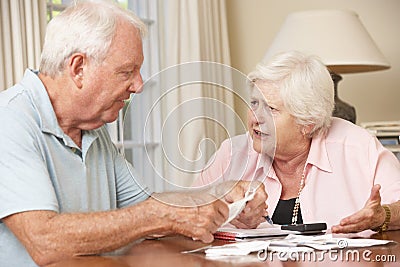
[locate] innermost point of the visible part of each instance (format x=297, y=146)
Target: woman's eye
x=253, y=104
x=272, y=109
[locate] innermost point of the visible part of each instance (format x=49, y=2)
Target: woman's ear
x=306, y=130
x=76, y=66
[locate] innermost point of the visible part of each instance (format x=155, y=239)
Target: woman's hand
x=371, y=216
x=255, y=210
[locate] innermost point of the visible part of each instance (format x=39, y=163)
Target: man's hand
x=372, y=215
x=255, y=210
x=194, y=215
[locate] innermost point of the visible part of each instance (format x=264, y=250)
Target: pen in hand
x=269, y=220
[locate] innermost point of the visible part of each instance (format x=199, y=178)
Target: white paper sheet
x=292, y=243
x=237, y=207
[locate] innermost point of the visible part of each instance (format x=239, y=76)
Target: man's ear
x=76, y=66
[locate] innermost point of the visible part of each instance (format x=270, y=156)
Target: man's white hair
x=86, y=27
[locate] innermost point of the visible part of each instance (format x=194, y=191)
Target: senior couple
x=65, y=190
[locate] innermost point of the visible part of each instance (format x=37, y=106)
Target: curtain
x=193, y=30
x=197, y=103
x=23, y=24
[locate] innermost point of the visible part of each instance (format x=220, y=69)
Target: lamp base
x=342, y=109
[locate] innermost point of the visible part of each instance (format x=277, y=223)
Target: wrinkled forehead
x=262, y=89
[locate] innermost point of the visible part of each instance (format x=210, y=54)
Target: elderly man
x=64, y=188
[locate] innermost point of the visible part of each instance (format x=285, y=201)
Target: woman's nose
x=259, y=115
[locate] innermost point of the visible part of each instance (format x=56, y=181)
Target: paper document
x=264, y=230
x=327, y=242
x=237, y=249
x=237, y=207
x=292, y=243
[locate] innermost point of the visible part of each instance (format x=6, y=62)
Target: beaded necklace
x=297, y=201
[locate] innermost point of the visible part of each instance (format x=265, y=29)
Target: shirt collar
x=264, y=162
x=41, y=101
x=318, y=155
x=48, y=119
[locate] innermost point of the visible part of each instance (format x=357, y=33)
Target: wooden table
x=166, y=252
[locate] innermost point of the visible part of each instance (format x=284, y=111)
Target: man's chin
x=111, y=120
x=111, y=117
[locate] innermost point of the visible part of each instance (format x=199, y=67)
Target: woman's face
x=267, y=109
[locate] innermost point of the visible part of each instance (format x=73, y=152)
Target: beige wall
x=375, y=95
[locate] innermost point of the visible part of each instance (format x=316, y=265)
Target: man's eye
x=126, y=74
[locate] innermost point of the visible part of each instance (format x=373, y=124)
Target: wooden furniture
x=167, y=252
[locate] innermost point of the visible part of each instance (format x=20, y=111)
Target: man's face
x=112, y=81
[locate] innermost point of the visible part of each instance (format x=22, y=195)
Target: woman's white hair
x=86, y=27
x=305, y=86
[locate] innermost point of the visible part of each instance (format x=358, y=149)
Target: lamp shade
x=336, y=36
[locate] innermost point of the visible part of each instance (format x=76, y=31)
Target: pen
x=269, y=220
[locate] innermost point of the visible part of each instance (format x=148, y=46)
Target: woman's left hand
x=372, y=215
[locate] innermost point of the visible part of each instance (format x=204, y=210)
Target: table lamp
x=338, y=38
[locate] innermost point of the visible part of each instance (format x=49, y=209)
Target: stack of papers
x=237, y=249
x=327, y=242
x=292, y=243
x=383, y=128
x=261, y=232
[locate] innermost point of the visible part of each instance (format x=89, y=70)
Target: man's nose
x=137, y=85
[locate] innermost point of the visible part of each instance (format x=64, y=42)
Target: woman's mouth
x=259, y=133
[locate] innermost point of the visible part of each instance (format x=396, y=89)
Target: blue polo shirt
x=41, y=168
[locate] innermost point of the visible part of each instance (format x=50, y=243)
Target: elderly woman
x=315, y=168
